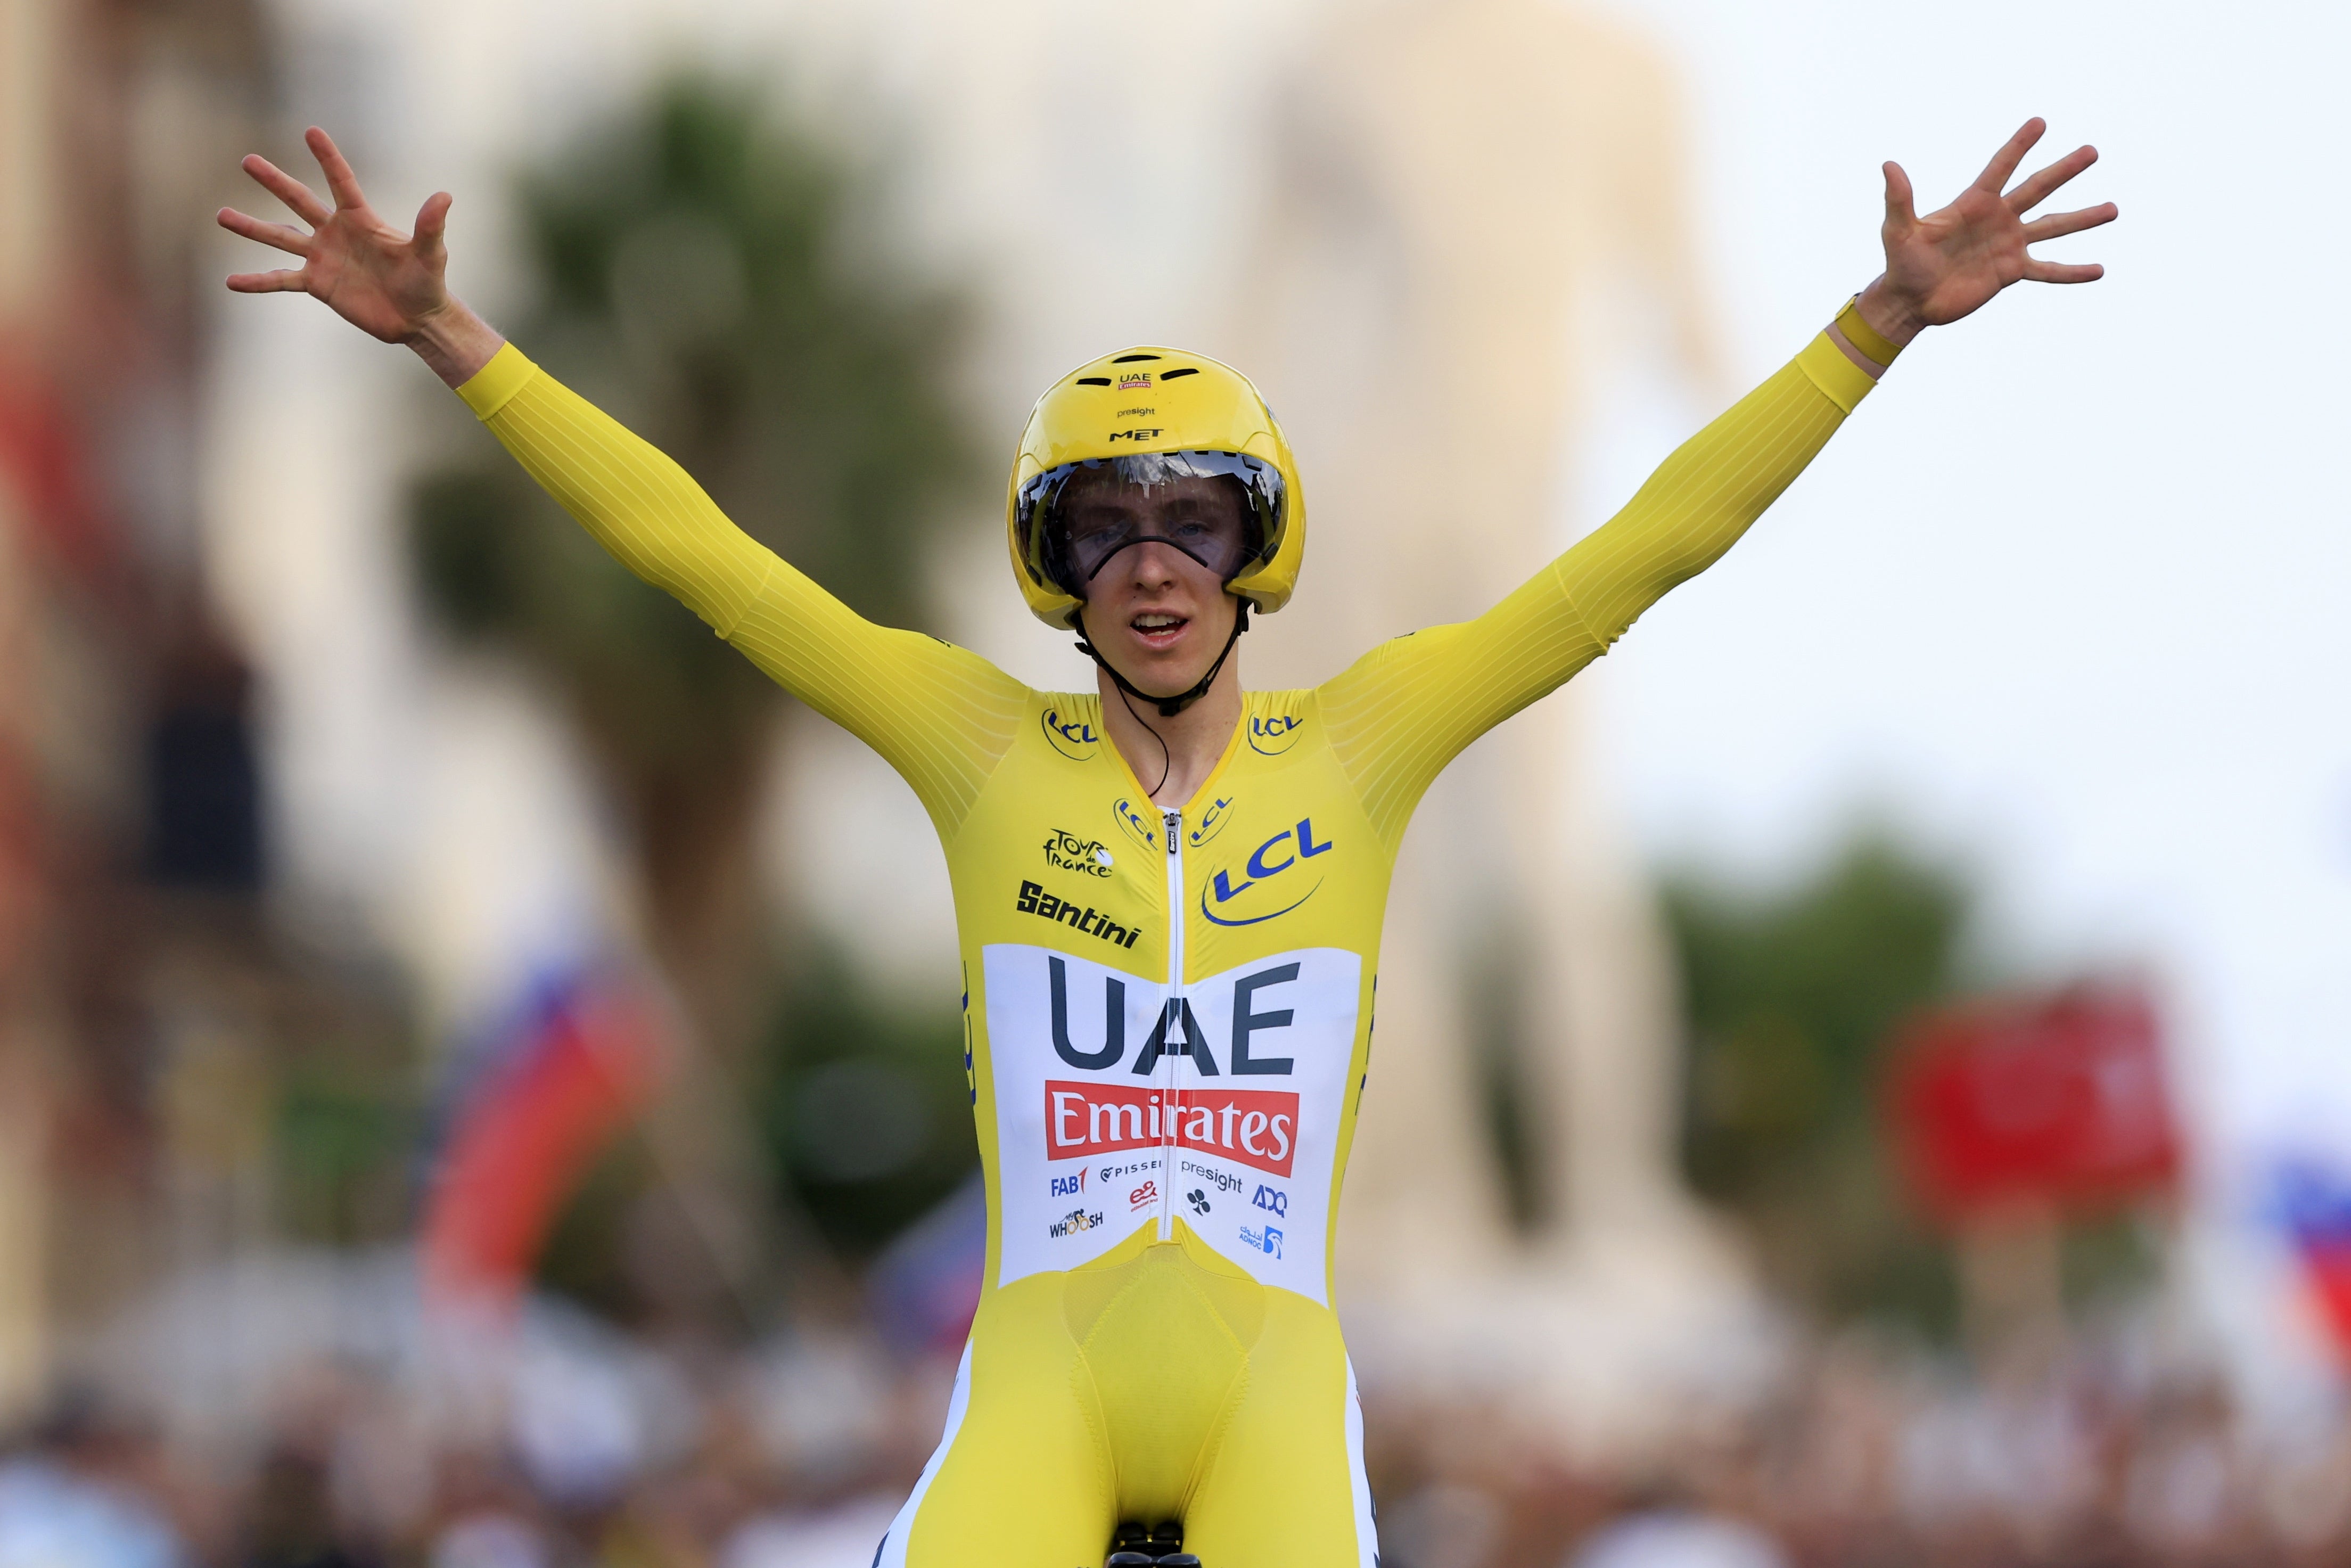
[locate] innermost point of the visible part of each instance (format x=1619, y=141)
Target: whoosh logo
x=1254, y=1127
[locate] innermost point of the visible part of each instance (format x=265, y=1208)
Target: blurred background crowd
x=1863, y=1073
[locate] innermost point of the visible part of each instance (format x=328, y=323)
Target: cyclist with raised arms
x=1169, y=889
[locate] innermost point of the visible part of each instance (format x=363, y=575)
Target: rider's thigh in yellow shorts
x=1157, y=1383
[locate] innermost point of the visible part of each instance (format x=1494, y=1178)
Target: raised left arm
x=1406, y=708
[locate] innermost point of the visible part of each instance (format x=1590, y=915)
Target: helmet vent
x=1131, y=359
x=1093, y=380
x=1170, y=375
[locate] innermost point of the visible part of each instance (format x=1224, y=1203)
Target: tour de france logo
x=1067, y=851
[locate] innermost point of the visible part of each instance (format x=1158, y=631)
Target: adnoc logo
x=1265, y=869
x=1073, y=739
x=1271, y=733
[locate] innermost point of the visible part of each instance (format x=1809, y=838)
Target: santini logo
x=1035, y=900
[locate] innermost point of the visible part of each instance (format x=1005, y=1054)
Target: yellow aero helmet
x=1201, y=414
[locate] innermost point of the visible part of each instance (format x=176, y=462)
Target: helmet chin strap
x=1168, y=707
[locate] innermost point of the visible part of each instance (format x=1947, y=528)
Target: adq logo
x=1220, y=901
x=1073, y=737
x=1271, y=733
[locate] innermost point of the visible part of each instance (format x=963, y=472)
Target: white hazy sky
x=2067, y=594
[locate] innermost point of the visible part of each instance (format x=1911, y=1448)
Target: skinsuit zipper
x=1171, y=1014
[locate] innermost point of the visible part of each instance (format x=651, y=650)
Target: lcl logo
x=1290, y=848
x=1073, y=739
x=1271, y=733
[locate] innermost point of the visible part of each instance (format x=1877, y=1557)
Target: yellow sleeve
x=941, y=717
x=1398, y=715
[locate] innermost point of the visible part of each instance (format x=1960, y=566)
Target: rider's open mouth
x=1158, y=627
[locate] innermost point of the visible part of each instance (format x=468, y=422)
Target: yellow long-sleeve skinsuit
x=1167, y=1012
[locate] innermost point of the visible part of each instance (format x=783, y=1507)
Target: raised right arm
x=941, y=716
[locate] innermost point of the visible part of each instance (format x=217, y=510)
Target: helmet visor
x=1217, y=508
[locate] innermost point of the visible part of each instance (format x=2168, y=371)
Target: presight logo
x=1287, y=849
x=1141, y=826
x=1073, y=737
x=1223, y=1181
x=1064, y=851
x=1271, y=733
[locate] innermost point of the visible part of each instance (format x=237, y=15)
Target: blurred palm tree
x=1791, y=996
x=710, y=278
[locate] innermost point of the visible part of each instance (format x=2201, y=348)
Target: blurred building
x=147, y=1017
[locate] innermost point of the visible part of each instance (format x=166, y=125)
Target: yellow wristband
x=1863, y=336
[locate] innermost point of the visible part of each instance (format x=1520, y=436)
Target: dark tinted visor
x=1125, y=501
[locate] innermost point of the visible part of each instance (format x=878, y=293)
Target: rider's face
x=1157, y=614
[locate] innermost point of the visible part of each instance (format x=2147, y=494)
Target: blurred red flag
x=584, y=1060
x=2053, y=1101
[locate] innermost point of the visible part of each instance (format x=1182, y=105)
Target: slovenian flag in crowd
x=2314, y=1202
x=531, y=1106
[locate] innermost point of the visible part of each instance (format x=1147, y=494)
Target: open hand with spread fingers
x=388, y=284
x=1950, y=263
